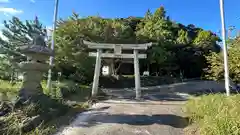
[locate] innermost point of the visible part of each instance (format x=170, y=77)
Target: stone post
x=137, y=75
x=96, y=73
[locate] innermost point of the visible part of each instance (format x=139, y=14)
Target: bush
x=40, y=110
x=6, y=86
x=215, y=114
x=215, y=70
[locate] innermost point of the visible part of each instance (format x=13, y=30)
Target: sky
x=201, y=13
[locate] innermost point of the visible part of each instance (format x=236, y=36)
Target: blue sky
x=202, y=13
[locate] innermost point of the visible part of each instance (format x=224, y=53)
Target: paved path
x=160, y=116
x=122, y=117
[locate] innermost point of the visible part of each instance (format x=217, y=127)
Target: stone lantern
x=37, y=54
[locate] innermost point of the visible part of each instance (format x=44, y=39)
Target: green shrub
x=66, y=88
x=50, y=110
x=6, y=86
x=215, y=114
x=59, y=89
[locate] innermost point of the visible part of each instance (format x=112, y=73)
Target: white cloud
x=4, y=1
x=10, y=11
x=33, y=1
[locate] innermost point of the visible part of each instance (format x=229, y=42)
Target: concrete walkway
x=123, y=117
x=159, y=114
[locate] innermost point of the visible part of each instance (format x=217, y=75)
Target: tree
x=155, y=27
x=183, y=37
x=206, y=41
x=72, y=53
x=18, y=33
x=176, y=46
x=5, y=68
x=162, y=59
x=215, y=70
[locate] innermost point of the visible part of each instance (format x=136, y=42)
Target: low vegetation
x=49, y=112
x=215, y=114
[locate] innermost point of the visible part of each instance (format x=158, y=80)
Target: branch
x=119, y=66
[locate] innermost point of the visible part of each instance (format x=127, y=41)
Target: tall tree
x=206, y=41
x=183, y=37
x=176, y=46
x=215, y=68
x=18, y=33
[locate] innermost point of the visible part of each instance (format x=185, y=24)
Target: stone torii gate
x=117, y=54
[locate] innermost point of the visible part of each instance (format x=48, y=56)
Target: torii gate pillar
x=97, y=73
x=137, y=75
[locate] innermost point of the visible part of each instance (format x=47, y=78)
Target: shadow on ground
x=99, y=109
x=137, y=120
x=171, y=92
x=158, y=96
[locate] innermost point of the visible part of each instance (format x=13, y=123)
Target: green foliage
x=5, y=68
x=48, y=108
x=7, y=87
x=155, y=27
x=175, y=45
x=17, y=33
x=215, y=69
x=205, y=40
x=183, y=37
x=215, y=114
x=72, y=56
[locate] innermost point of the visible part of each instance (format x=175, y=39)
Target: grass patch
x=57, y=111
x=215, y=114
x=12, y=123
x=55, y=124
x=6, y=86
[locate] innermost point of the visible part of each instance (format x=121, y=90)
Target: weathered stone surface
x=38, y=47
x=32, y=49
x=34, y=68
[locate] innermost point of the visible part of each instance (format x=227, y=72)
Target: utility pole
x=49, y=82
x=226, y=73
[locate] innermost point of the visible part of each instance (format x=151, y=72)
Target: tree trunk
x=111, y=68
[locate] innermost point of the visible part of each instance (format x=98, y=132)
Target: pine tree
x=17, y=34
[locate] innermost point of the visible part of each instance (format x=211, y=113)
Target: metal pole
x=49, y=84
x=226, y=73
